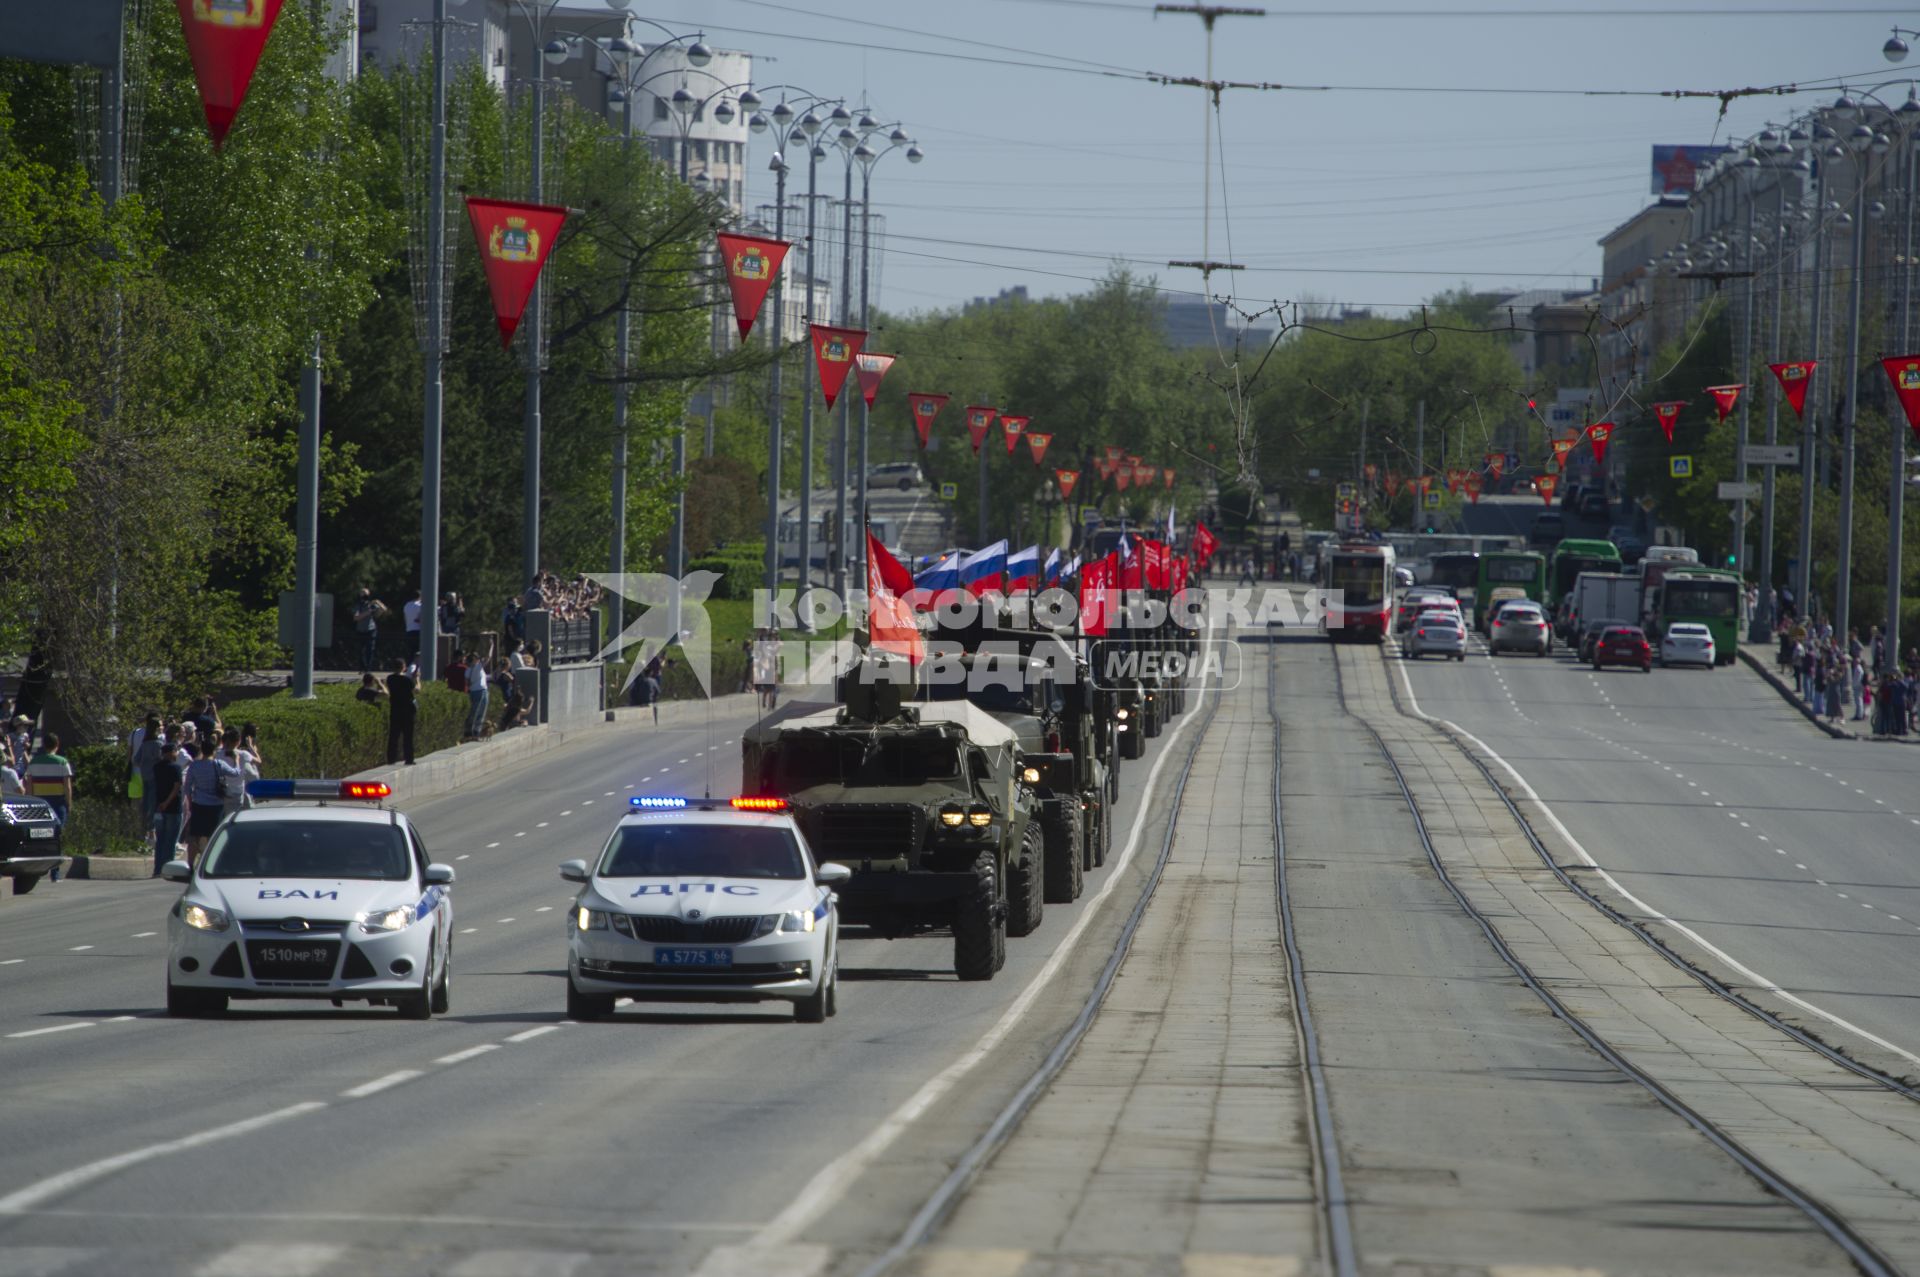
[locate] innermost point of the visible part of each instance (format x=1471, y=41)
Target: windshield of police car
x=702, y=851
x=329, y=849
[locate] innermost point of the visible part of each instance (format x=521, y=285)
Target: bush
x=740, y=576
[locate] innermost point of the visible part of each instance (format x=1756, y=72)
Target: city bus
x=1458, y=571
x=1707, y=596
x=1507, y=569
x=1574, y=556
x=1364, y=576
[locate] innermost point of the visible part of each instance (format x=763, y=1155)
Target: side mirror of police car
x=439, y=874
x=573, y=870
x=829, y=874
x=177, y=871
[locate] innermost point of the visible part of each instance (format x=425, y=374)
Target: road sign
x=1740, y=514
x=1433, y=498
x=1344, y=491
x=1769, y=454
x=949, y=491
x=1648, y=503
x=1680, y=467
x=1738, y=491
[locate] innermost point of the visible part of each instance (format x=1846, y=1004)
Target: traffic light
x=1732, y=559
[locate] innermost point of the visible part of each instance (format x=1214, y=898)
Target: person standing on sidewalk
x=400, y=714
x=366, y=623
x=476, y=696
x=1857, y=681
x=410, y=617
x=211, y=784
x=167, y=782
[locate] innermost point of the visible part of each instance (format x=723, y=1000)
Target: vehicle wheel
x=587, y=1006
x=417, y=1006
x=818, y=1005
x=443, y=992
x=980, y=924
x=1132, y=743
x=1061, y=842
x=1152, y=716
x=185, y=1003
x=1026, y=885
x=1089, y=837
x=906, y=485
x=1113, y=777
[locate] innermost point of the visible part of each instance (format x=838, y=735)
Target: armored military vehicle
x=923, y=802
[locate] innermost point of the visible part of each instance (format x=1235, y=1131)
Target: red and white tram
x=1360, y=578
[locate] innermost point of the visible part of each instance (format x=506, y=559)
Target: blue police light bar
x=356, y=790
x=650, y=802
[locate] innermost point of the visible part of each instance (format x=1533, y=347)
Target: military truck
x=1032, y=682
x=923, y=802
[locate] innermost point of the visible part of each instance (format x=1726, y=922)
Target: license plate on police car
x=693, y=957
x=40, y=833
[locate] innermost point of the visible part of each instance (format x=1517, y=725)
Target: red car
x=1623, y=645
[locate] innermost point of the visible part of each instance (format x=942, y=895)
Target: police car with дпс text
x=704, y=900
x=333, y=899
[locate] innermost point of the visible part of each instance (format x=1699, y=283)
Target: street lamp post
x=1816, y=134
x=867, y=157
x=1763, y=613
x=809, y=126
x=1897, y=485
x=432, y=373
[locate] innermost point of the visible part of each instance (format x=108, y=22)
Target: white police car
x=333, y=899
x=704, y=900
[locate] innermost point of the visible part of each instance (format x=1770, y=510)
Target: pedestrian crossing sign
x=1433, y=499
x=1680, y=467
x=949, y=491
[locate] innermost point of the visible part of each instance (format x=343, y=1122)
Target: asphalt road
x=300, y=1139
x=1717, y=805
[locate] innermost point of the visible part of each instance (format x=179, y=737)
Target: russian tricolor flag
x=1023, y=569
x=944, y=575
x=984, y=570
x=1051, y=573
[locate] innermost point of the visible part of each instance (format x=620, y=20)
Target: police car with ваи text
x=331, y=899
x=704, y=900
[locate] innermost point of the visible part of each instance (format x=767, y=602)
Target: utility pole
x=1746, y=379
x=1208, y=15
x=536, y=340
x=1809, y=418
x=775, y=406
x=1763, y=617
x=1897, y=495
x=841, y=478
x=1843, y=584
x=1420, y=455
x=436, y=343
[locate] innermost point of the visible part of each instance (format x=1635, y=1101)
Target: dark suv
x=29, y=841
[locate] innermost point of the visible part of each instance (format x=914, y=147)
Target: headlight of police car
x=952, y=816
x=201, y=918
x=792, y=920
x=979, y=817
x=590, y=920
x=1030, y=774
x=1121, y=713
x=386, y=919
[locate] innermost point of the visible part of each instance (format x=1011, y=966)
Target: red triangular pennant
x=1545, y=485
x=925, y=408
x=870, y=368
x=1013, y=427
x=514, y=239
x=1495, y=460
x=1597, y=434
x=224, y=39
x=1668, y=413
x=1037, y=442
x=1904, y=372
x=1472, y=485
x=1724, y=397
x=1167, y=474
x=752, y=265
x=1065, y=479
x=979, y=421
x=1794, y=380
x=833, y=352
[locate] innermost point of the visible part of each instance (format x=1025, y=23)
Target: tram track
x=1863, y=1253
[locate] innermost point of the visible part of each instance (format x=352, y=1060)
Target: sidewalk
x=1761, y=665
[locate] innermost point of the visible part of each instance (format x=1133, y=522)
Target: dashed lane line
x=379, y=1084
x=471, y=1052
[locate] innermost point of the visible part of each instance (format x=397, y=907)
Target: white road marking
x=11, y=962
x=588, y=802
x=542, y=825
x=284, y=1259
x=543, y=909
x=80, y=948
x=41, y=1191
x=505, y=921
x=492, y=845
x=467, y=931
x=520, y=1263
x=468, y=1054
x=142, y=935
x=836, y=1176
x=1744, y=970
x=530, y=1034
x=379, y=1084
x=569, y=811
x=56, y=1028
x=462, y=856
x=521, y=834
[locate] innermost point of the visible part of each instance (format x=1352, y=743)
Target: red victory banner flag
x=1546, y=483
x=1495, y=461
x=514, y=241
x=1167, y=475
x=1038, y=441
x=925, y=408
x=1122, y=475
x=1904, y=372
x=1472, y=486
x=224, y=40
x=1013, y=428
x=1096, y=594
x=833, y=353
x=1454, y=478
x=1561, y=447
x=1371, y=470
x=1597, y=434
x=1724, y=397
x=1668, y=413
x=1204, y=543
x=890, y=626
x=1113, y=451
x=1144, y=475
x=1065, y=479
x=979, y=421
x=1393, y=484
x=1100, y=466
x=870, y=368
x=1794, y=380
x=752, y=264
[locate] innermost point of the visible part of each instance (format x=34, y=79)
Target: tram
x=1362, y=575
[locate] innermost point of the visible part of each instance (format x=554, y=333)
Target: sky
x=1049, y=156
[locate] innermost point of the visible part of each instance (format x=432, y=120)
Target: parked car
x=1687, y=643
x=1623, y=645
x=904, y=475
